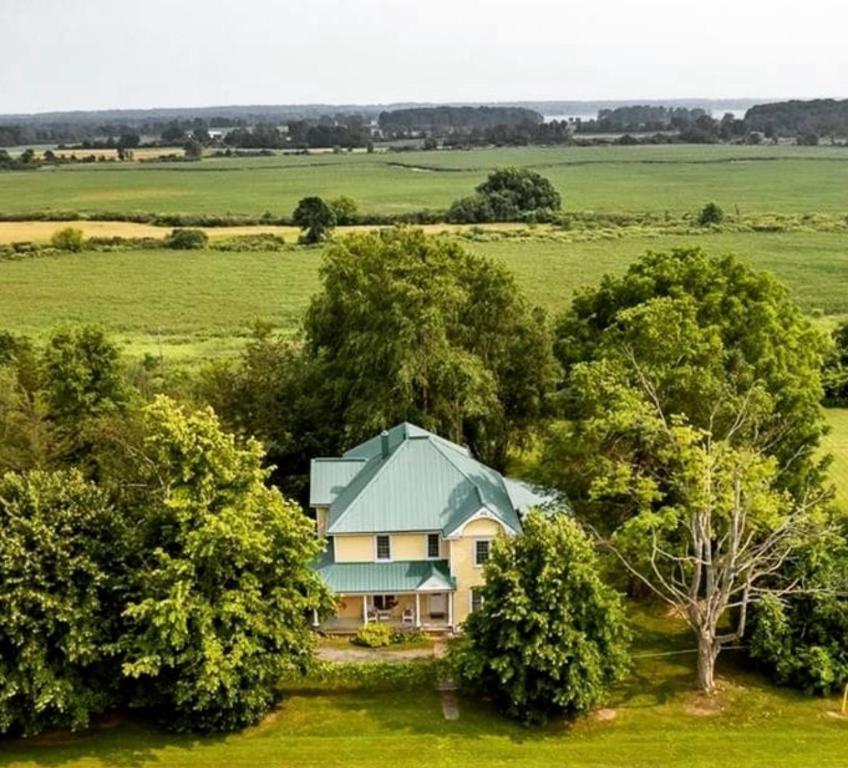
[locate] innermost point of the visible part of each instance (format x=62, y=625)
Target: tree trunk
x=707, y=653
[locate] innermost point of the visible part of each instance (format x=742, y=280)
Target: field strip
x=42, y=231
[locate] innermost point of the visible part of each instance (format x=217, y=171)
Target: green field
x=653, y=719
x=675, y=179
x=197, y=303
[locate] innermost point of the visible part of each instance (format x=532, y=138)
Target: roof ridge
x=461, y=470
x=367, y=485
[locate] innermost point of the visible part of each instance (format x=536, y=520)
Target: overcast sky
x=94, y=54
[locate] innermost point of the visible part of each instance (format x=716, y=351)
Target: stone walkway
x=373, y=654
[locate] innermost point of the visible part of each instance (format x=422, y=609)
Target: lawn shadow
x=114, y=739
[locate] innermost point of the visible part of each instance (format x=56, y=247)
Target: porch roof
x=385, y=578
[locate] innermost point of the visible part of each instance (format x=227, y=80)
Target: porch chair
x=408, y=617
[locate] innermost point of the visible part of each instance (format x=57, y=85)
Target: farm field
x=836, y=444
x=196, y=304
x=648, y=178
x=653, y=718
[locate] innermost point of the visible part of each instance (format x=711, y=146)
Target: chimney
x=384, y=443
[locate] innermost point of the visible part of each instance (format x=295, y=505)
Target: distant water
x=716, y=113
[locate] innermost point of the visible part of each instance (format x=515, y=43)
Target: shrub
x=711, y=213
x=344, y=208
x=374, y=635
x=550, y=636
x=68, y=239
x=187, y=239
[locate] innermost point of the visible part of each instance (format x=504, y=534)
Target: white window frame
x=377, y=557
x=438, y=545
x=478, y=541
x=471, y=592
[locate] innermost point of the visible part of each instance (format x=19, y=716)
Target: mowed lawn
x=652, y=178
x=654, y=719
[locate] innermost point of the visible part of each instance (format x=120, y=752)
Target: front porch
x=424, y=611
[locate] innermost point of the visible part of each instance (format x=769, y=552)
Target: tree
x=506, y=195
x=800, y=640
x=82, y=381
x=550, y=636
x=222, y=604
x=344, y=209
x=408, y=327
x=60, y=556
x=68, y=239
x=677, y=453
x=711, y=213
x=702, y=328
x=835, y=372
x=193, y=149
x=315, y=217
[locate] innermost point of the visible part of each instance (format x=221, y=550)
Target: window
x=481, y=551
x=384, y=547
x=384, y=602
x=432, y=545
x=476, y=599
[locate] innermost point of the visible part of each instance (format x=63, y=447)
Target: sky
x=94, y=54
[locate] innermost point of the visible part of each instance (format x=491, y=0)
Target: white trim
x=484, y=513
x=471, y=599
x=477, y=540
x=377, y=558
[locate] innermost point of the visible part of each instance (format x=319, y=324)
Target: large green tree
x=61, y=560
x=550, y=637
x=673, y=446
x=221, y=604
x=82, y=380
x=413, y=327
x=710, y=334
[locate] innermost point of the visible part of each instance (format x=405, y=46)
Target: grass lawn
x=653, y=719
x=675, y=179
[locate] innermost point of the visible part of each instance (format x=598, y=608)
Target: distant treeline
x=819, y=117
x=640, y=118
x=447, y=118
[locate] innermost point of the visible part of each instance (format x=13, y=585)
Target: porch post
x=314, y=617
x=450, y=609
x=417, y=610
x=365, y=609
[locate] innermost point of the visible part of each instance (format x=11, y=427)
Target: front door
x=438, y=606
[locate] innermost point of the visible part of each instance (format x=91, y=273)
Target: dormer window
x=384, y=547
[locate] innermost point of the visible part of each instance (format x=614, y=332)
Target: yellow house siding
x=362, y=548
x=354, y=549
x=462, y=566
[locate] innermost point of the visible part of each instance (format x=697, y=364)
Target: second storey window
x=384, y=547
x=432, y=545
x=481, y=551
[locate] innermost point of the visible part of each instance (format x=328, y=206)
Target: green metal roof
x=334, y=476
x=422, y=483
x=384, y=578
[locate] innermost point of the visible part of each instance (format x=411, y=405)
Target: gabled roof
x=385, y=578
x=421, y=482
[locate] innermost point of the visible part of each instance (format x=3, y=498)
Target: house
x=409, y=519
